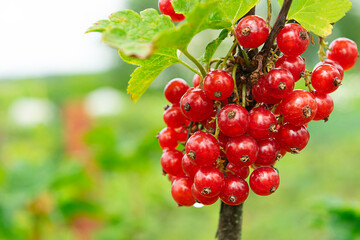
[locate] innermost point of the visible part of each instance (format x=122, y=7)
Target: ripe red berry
x=251, y=31
x=264, y=181
x=188, y=167
x=279, y=83
x=182, y=134
x=166, y=8
x=236, y=190
x=242, y=151
x=195, y=105
x=181, y=191
x=269, y=152
x=294, y=64
x=175, y=89
x=210, y=123
x=171, y=162
x=293, y=39
x=196, y=80
x=299, y=107
x=293, y=138
x=209, y=181
x=262, y=123
x=343, y=51
x=325, y=78
x=202, y=149
x=261, y=95
x=325, y=105
x=333, y=63
x=242, y=172
x=168, y=138
x=173, y=117
x=218, y=85
x=201, y=199
x=233, y=120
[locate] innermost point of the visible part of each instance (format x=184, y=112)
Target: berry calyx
x=209, y=181
x=201, y=199
x=175, y=89
x=242, y=151
x=251, y=31
x=293, y=138
x=325, y=78
x=233, y=120
x=181, y=191
x=343, y=51
x=293, y=39
x=218, y=85
x=166, y=8
x=236, y=190
x=195, y=105
x=264, y=181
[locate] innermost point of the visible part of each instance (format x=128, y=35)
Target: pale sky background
x=46, y=37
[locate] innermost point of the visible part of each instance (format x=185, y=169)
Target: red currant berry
x=293, y=40
x=343, y=51
x=181, y=191
x=262, y=123
x=236, y=190
x=233, y=120
x=279, y=83
x=218, y=85
x=201, y=199
x=166, y=8
x=325, y=78
x=264, y=181
x=294, y=64
x=182, y=134
x=173, y=116
x=168, y=138
x=251, y=31
x=171, y=162
x=210, y=123
x=202, y=149
x=261, y=96
x=188, y=167
x=195, y=105
x=293, y=138
x=333, y=63
x=242, y=151
x=209, y=181
x=269, y=152
x=242, y=172
x=175, y=89
x=196, y=81
x=325, y=105
x=299, y=107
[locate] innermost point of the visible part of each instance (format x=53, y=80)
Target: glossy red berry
x=196, y=80
x=175, y=89
x=251, y=32
x=325, y=105
x=293, y=138
x=264, y=181
x=236, y=190
x=299, y=107
x=182, y=134
x=168, y=138
x=242, y=172
x=195, y=105
x=262, y=123
x=188, y=167
x=202, y=149
x=294, y=64
x=325, y=78
x=293, y=39
x=343, y=51
x=242, y=151
x=171, y=162
x=233, y=120
x=209, y=181
x=261, y=95
x=279, y=83
x=218, y=85
x=173, y=117
x=201, y=199
x=269, y=152
x=210, y=123
x=181, y=191
x=333, y=63
x=166, y=8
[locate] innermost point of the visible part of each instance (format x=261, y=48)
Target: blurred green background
x=79, y=160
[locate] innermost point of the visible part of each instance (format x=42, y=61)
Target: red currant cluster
x=224, y=139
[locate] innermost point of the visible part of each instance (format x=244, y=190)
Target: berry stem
x=245, y=56
x=190, y=68
x=218, y=107
x=235, y=86
x=229, y=54
x=269, y=13
x=230, y=222
x=196, y=62
x=321, y=51
x=243, y=94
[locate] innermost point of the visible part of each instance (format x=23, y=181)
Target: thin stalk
x=190, y=68
x=269, y=13
x=229, y=53
x=196, y=62
x=235, y=86
x=243, y=94
x=246, y=58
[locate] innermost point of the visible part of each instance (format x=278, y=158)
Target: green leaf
x=317, y=15
x=149, y=69
x=132, y=33
x=213, y=46
x=235, y=9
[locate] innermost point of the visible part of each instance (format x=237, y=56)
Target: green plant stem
x=196, y=62
x=246, y=58
x=243, y=94
x=229, y=53
x=323, y=46
x=190, y=68
x=269, y=13
x=235, y=87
